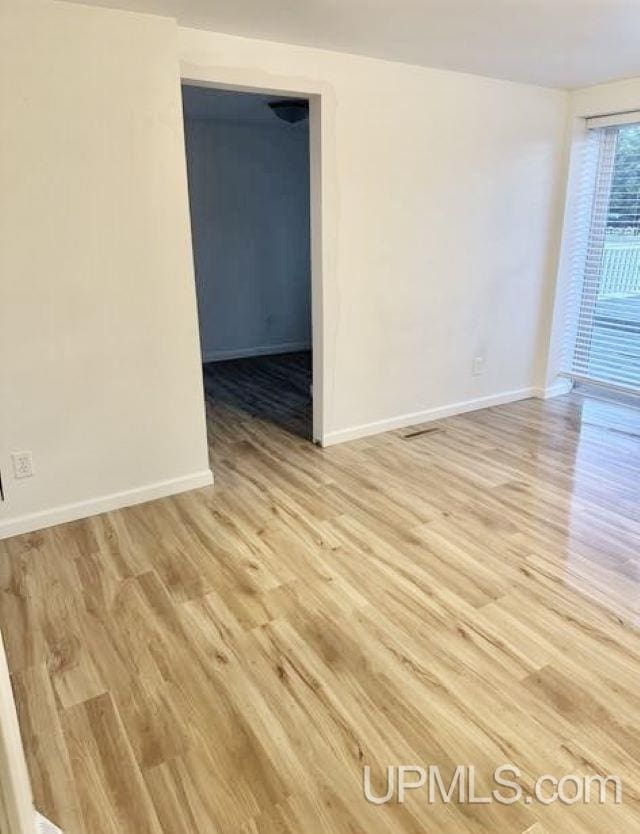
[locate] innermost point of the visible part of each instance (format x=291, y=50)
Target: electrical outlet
x=22, y=464
x=478, y=365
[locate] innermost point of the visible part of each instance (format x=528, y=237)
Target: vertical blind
x=603, y=327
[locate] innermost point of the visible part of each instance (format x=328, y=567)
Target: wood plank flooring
x=271, y=388
x=227, y=661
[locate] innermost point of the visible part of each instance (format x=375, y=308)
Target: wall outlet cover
x=478, y=365
x=22, y=464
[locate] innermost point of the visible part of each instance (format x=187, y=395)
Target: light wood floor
x=228, y=660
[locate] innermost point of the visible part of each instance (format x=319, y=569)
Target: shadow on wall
x=249, y=195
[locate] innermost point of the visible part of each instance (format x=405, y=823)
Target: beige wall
x=616, y=97
x=99, y=374
x=440, y=202
x=441, y=211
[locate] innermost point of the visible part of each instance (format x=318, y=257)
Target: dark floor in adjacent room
x=274, y=389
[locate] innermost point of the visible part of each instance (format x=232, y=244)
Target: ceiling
x=557, y=43
x=228, y=106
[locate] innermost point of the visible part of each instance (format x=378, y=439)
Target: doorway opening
x=250, y=182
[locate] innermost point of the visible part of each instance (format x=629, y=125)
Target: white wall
x=440, y=208
x=600, y=100
x=249, y=197
x=439, y=198
x=100, y=372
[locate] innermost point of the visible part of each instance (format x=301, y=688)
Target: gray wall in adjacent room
x=249, y=196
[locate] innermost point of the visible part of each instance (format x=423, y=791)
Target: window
x=603, y=332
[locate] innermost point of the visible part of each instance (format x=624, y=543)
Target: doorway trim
x=315, y=222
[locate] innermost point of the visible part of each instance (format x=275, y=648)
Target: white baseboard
x=404, y=420
x=557, y=389
x=261, y=350
x=105, y=503
x=45, y=826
